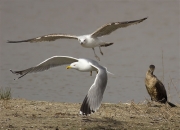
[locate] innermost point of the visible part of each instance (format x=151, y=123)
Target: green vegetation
x=5, y=96
x=5, y=93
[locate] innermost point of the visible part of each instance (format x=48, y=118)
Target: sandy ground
x=21, y=114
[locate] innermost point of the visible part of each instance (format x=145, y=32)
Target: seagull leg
x=96, y=55
x=100, y=50
x=90, y=73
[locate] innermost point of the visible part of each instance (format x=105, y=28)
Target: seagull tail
x=107, y=44
x=108, y=71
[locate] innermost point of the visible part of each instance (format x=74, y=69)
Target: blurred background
x=154, y=41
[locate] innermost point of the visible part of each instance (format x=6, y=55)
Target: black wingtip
x=16, y=72
x=12, y=71
x=11, y=41
x=110, y=44
x=143, y=19
x=14, y=41
x=85, y=108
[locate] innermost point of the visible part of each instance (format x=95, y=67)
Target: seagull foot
x=97, y=58
x=101, y=53
x=90, y=73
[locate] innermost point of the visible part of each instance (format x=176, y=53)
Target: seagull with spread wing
x=94, y=97
x=87, y=41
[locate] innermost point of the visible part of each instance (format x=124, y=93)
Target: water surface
x=134, y=49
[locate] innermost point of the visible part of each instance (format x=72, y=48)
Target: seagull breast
x=90, y=42
x=85, y=66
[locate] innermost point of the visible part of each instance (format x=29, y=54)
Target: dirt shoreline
x=21, y=114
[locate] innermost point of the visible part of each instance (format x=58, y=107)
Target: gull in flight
x=94, y=97
x=87, y=41
x=155, y=87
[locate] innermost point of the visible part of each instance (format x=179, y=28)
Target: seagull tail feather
x=107, y=44
x=108, y=71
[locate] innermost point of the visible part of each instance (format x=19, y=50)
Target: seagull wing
x=109, y=28
x=47, y=64
x=50, y=37
x=94, y=97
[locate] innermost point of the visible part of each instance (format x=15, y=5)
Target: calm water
x=135, y=48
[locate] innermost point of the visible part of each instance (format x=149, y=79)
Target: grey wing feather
x=109, y=28
x=50, y=37
x=47, y=64
x=94, y=97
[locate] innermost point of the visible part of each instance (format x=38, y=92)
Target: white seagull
x=94, y=97
x=87, y=41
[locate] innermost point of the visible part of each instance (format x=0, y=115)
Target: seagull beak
x=68, y=67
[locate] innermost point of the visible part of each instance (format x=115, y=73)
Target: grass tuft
x=5, y=96
x=5, y=93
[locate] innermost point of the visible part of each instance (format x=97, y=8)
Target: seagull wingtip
x=145, y=18
x=11, y=71
x=84, y=114
x=8, y=41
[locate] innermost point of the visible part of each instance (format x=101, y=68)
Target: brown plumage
x=155, y=87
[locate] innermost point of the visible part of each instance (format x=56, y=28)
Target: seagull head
x=82, y=41
x=74, y=65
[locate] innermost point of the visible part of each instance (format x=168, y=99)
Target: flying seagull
x=94, y=97
x=87, y=41
x=155, y=87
